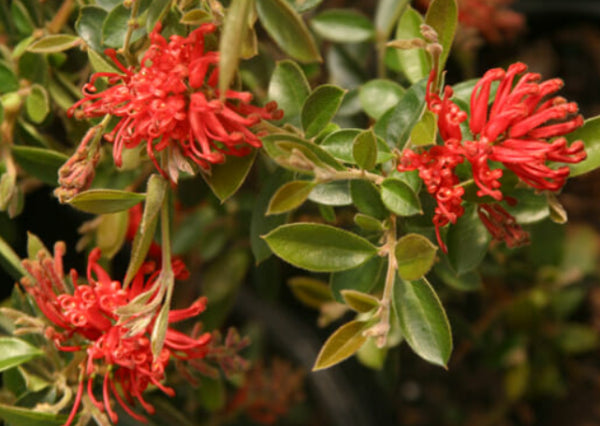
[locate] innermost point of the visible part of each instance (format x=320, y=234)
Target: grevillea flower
x=173, y=104
x=502, y=225
x=84, y=319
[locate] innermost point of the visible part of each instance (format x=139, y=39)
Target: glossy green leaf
x=230, y=46
x=327, y=213
x=139, y=250
x=319, y=248
x=111, y=232
x=89, y=26
x=108, y=5
x=8, y=79
x=260, y=223
x=281, y=146
x=37, y=104
x=225, y=179
x=342, y=344
x=467, y=241
x=442, y=16
x=413, y=63
x=336, y=193
x=98, y=63
x=469, y=281
x=396, y=125
x=288, y=30
x=39, y=162
x=415, y=256
x=364, y=149
x=14, y=352
x=313, y=293
x=290, y=196
x=34, y=67
x=10, y=261
x=339, y=144
x=157, y=11
x=320, y=108
x=371, y=356
x=368, y=223
x=363, y=278
x=386, y=15
x=343, y=26
x=54, y=43
x=21, y=18
x=34, y=246
x=423, y=320
x=400, y=198
x=195, y=17
x=289, y=88
x=156, y=191
x=367, y=199
x=589, y=133
x=102, y=201
x=304, y=5
x=114, y=28
x=360, y=302
x=378, y=96
x=19, y=416
x=425, y=131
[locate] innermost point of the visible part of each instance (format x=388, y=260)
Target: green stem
x=135, y=7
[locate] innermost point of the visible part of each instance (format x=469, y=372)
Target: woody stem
x=135, y=7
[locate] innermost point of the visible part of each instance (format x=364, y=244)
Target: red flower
x=85, y=319
x=173, y=103
x=501, y=225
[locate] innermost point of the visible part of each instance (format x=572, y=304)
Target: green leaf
x=413, y=63
x=423, y=320
x=343, y=26
x=360, y=302
x=8, y=79
x=386, y=14
x=320, y=107
x=378, y=96
x=396, y=125
x=230, y=46
x=469, y=281
x=156, y=192
x=415, y=255
x=54, y=43
x=400, y=198
x=367, y=199
x=467, y=241
x=157, y=11
x=589, y=133
x=102, y=201
x=115, y=27
x=342, y=344
x=339, y=144
x=89, y=26
x=287, y=29
x=225, y=179
x=21, y=18
x=574, y=338
x=364, y=149
x=425, y=130
x=10, y=261
x=19, y=416
x=111, y=232
x=34, y=246
x=335, y=193
x=289, y=88
x=290, y=196
x=14, y=352
x=39, y=162
x=281, y=146
x=1, y=112
x=195, y=17
x=37, y=104
x=442, y=16
x=368, y=223
x=140, y=246
x=319, y=248
x=313, y=293
x=363, y=278
x=98, y=63
x=260, y=223
x=304, y=5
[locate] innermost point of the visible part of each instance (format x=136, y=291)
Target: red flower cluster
x=523, y=129
x=84, y=319
x=173, y=103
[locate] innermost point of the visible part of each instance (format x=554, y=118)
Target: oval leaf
x=39, y=162
x=23, y=416
x=225, y=179
x=362, y=278
x=319, y=248
x=336, y=193
x=290, y=196
x=378, y=96
x=343, y=26
x=286, y=27
x=415, y=255
x=360, y=302
x=89, y=26
x=115, y=27
x=364, y=149
x=10, y=261
x=423, y=320
x=413, y=63
x=589, y=133
x=54, y=43
x=37, y=104
x=311, y=292
x=8, y=79
x=14, y=352
x=467, y=241
x=102, y=201
x=342, y=344
x=320, y=107
x=400, y=198
x=367, y=199
x=289, y=88
x=442, y=16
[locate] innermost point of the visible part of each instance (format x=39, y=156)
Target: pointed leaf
x=413, y=63
x=378, y=96
x=21, y=18
x=98, y=63
x=368, y=223
x=289, y=88
x=8, y=79
x=319, y=248
x=286, y=27
x=14, y=352
x=320, y=108
x=425, y=130
x=139, y=250
x=343, y=26
x=157, y=11
x=363, y=278
x=290, y=196
x=589, y=133
x=336, y=193
x=54, y=43
x=386, y=14
x=442, y=16
x=423, y=320
x=195, y=17
x=111, y=232
x=225, y=179
x=19, y=416
x=114, y=27
x=34, y=246
x=10, y=261
x=311, y=292
x=281, y=146
x=37, y=104
x=367, y=199
x=342, y=344
x=467, y=241
x=39, y=162
x=400, y=198
x=156, y=191
x=360, y=302
x=339, y=144
x=89, y=26
x=415, y=255
x=364, y=149
x=102, y=201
